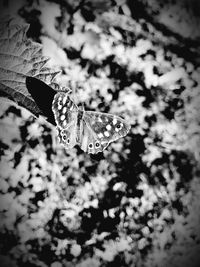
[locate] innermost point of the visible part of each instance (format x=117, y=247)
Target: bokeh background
x=137, y=203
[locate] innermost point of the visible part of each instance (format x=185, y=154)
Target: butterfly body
x=92, y=131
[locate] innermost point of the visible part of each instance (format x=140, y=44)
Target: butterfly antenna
x=82, y=107
x=74, y=95
x=75, y=98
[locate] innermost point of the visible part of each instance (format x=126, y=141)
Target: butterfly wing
x=64, y=109
x=65, y=113
x=99, y=129
x=92, y=130
x=67, y=137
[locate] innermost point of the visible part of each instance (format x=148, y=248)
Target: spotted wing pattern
x=93, y=131
x=64, y=109
x=99, y=129
x=65, y=113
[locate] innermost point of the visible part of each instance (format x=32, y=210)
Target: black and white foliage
x=137, y=204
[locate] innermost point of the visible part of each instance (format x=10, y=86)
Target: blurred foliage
x=137, y=204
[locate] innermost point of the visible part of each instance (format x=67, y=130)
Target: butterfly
x=92, y=131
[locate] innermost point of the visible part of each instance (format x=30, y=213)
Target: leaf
x=20, y=57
